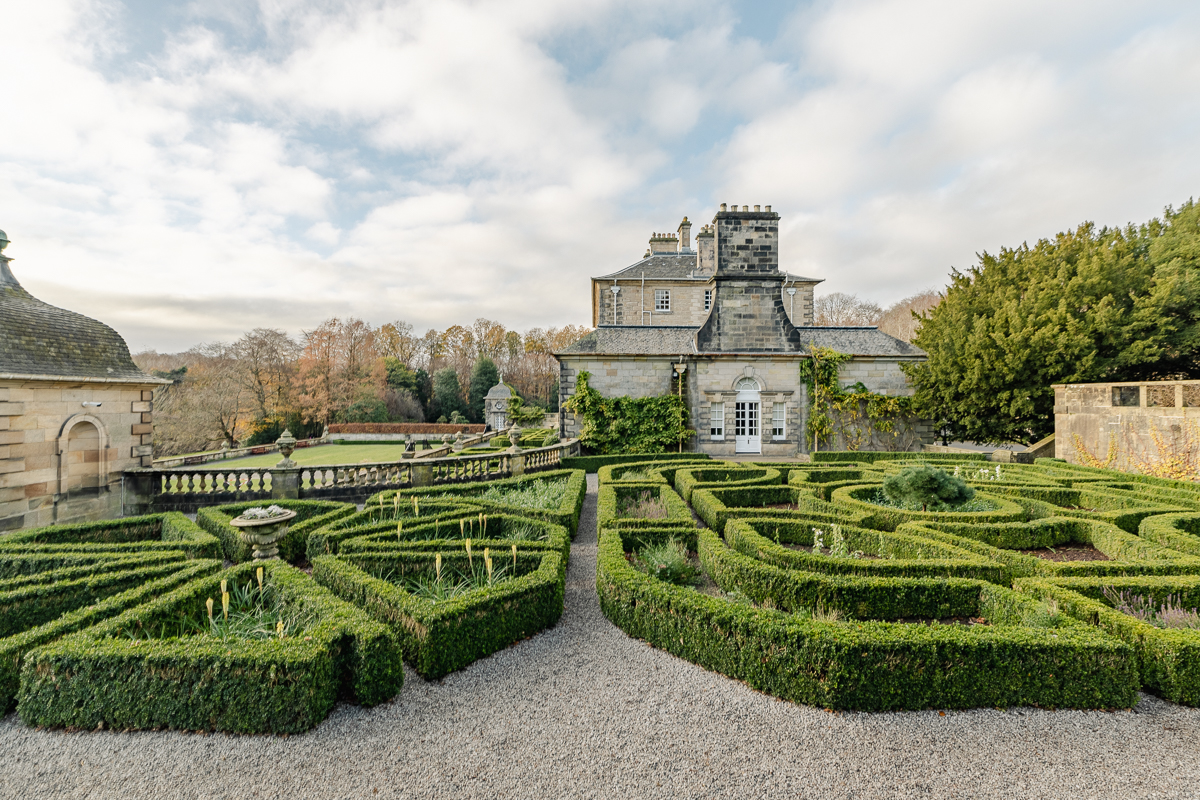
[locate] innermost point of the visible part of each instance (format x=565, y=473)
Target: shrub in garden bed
x=134, y=671
x=450, y=629
x=78, y=607
x=1179, y=532
x=594, y=463
x=145, y=534
x=1026, y=656
x=1168, y=658
x=310, y=516
x=688, y=479
x=869, y=499
x=842, y=547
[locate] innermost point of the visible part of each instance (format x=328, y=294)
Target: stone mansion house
x=725, y=318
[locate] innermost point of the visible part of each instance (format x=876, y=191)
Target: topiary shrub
x=926, y=486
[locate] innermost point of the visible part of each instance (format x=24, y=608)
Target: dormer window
x=662, y=299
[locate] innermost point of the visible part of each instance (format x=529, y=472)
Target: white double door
x=747, y=425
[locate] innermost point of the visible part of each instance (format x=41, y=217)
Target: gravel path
x=584, y=711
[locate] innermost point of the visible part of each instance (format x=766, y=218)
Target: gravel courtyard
x=584, y=711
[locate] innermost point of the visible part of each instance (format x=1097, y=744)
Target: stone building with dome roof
x=495, y=406
x=726, y=318
x=75, y=412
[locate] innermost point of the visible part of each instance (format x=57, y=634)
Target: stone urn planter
x=262, y=528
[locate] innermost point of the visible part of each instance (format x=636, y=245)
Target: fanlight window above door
x=747, y=385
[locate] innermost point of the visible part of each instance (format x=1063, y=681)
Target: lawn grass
x=322, y=454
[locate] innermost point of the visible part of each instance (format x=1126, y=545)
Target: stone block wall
x=1127, y=426
x=879, y=375
x=687, y=303
x=799, y=307
x=62, y=461
x=747, y=242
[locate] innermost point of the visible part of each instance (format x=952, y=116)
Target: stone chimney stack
x=706, y=250
x=748, y=314
x=685, y=236
x=663, y=243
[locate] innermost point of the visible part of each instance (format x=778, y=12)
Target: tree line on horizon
x=345, y=370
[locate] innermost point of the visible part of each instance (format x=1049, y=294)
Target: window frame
x=708, y=299
x=716, y=421
x=662, y=301
x=778, y=422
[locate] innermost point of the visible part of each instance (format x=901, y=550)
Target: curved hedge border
x=872, y=665
x=490, y=535
x=1168, y=660
x=14, y=648
x=887, y=519
x=439, y=638
x=98, y=677
x=687, y=480
x=145, y=534
x=328, y=539
x=902, y=555
x=609, y=499
x=717, y=506
x=1176, y=531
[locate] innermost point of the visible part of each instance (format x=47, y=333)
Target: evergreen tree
x=447, y=396
x=484, y=376
x=1091, y=305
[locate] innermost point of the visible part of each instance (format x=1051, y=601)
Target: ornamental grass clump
x=1169, y=614
x=928, y=488
x=543, y=495
x=668, y=562
x=645, y=505
x=446, y=583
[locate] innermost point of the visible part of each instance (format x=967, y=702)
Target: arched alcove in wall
x=82, y=461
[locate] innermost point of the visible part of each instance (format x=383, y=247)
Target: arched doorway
x=82, y=458
x=747, y=430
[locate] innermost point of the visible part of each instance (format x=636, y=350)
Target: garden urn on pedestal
x=262, y=528
x=287, y=445
x=458, y=444
x=410, y=449
x=514, y=437
x=446, y=439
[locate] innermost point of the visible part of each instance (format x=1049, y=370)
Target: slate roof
x=498, y=391
x=37, y=338
x=637, y=340
x=660, y=266
x=674, y=267
x=661, y=340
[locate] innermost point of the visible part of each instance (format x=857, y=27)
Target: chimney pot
x=756, y=208
x=723, y=207
x=768, y=209
x=745, y=208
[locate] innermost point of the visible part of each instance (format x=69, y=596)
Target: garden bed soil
x=1072, y=552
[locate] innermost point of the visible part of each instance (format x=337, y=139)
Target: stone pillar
x=285, y=483
x=140, y=488
x=422, y=474
x=516, y=463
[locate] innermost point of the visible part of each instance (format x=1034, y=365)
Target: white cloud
x=441, y=160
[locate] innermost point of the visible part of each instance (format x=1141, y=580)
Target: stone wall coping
x=18, y=376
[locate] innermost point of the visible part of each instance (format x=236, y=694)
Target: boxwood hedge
x=168, y=531
x=611, y=497
x=101, y=677
x=441, y=637
x=1025, y=657
x=1168, y=659
x=686, y=480
x=594, y=463
x=310, y=516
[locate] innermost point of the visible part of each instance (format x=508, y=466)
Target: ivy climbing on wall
x=627, y=424
x=856, y=416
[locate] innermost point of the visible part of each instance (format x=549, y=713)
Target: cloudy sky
x=186, y=171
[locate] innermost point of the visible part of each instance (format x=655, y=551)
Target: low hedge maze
x=814, y=588
x=137, y=623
